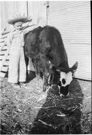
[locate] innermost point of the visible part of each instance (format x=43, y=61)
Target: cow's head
x=63, y=78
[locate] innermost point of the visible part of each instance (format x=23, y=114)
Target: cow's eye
x=63, y=81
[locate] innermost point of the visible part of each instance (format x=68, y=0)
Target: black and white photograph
x=45, y=67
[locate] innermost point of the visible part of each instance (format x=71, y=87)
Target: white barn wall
x=73, y=21
x=37, y=10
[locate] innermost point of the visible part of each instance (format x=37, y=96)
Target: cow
x=44, y=45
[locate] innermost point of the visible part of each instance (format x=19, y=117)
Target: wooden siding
x=73, y=21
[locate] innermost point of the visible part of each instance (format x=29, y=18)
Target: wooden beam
x=4, y=60
x=2, y=74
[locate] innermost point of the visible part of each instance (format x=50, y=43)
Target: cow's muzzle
x=64, y=90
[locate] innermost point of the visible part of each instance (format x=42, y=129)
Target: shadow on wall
x=60, y=115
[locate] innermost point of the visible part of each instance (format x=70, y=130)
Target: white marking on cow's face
x=65, y=78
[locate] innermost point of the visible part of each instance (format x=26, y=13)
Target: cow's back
x=32, y=42
x=51, y=44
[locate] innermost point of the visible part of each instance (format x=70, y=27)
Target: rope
x=83, y=79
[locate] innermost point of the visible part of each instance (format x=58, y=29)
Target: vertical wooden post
x=47, y=12
x=27, y=8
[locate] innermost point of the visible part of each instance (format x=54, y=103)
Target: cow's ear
x=74, y=67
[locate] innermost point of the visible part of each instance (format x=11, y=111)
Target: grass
x=30, y=111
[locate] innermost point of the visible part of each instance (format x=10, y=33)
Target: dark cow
x=45, y=47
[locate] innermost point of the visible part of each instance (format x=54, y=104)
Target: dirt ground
x=29, y=110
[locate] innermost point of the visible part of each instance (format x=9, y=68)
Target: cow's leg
x=46, y=77
x=45, y=80
x=46, y=70
x=51, y=78
x=35, y=63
